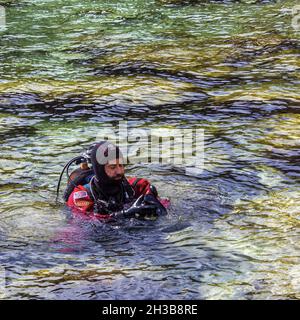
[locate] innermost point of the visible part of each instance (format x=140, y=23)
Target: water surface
x=71, y=68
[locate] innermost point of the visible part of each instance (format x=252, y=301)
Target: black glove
x=145, y=207
x=150, y=199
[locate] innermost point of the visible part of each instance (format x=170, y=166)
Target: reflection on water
x=70, y=70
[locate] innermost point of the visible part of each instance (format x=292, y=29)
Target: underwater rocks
x=12, y=3
x=17, y=132
x=136, y=68
x=122, y=99
x=255, y=108
x=193, y=2
x=249, y=49
x=98, y=99
x=19, y=99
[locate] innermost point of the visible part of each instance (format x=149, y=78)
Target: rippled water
x=70, y=68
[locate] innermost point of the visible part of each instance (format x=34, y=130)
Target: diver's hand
x=140, y=209
x=140, y=212
x=145, y=207
x=150, y=199
x=129, y=213
x=136, y=212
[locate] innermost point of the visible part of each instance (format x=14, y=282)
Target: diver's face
x=115, y=169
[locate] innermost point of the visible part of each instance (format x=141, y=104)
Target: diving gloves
x=146, y=207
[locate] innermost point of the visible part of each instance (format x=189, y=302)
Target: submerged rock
x=193, y=2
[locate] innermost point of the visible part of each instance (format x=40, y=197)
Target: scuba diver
x=99, y=188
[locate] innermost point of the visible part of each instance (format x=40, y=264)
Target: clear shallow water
x=69, y=69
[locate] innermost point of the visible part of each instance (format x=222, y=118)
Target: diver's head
x=108, y=165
